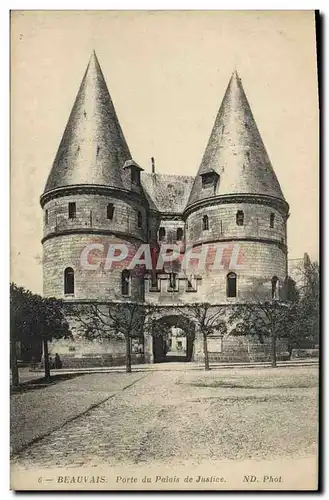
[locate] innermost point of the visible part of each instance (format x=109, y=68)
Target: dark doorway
x=173, y=339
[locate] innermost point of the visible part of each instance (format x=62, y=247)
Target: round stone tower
x=93, y=199
x=236, y=203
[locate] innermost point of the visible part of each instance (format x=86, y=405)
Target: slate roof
x=93, y=149
x=167, y=193
x=236, y=151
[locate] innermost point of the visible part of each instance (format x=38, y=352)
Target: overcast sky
x=167, y=73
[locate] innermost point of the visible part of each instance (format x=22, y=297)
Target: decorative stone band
x=281, y=205
x=94, y=231
x=123, y=194
x=124, y=235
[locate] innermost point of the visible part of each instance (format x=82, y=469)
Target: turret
x=236, y=201
x=93, y=195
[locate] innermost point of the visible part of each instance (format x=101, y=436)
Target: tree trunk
x=273, y=351
x=128, y=354
x=290, y=349
x=46, y=360
x=14, y=365
x=205, y=350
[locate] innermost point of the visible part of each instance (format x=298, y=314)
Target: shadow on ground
x=230, y=385
x=41, y=383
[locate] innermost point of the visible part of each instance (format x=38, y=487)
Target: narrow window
x=68, y=281
x=154, y=279
x=190, y=287
x=162, y=233
x=46, y=216
x=205, y=223
x=231, y=285
x=125, y=282
x=72, y=210
x=179, y=235
x=110, y=211
x=173, y=281
x=139, y=219
x=272, y=216
x=275, y=287
x=239, y=218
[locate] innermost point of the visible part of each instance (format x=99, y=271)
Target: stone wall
x=222, y=223
x=90, y=284
x=259, y=262
x=91, y=213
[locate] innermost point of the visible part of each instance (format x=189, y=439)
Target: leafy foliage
x=33, y=315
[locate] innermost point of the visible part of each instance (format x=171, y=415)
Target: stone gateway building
x=98, y=201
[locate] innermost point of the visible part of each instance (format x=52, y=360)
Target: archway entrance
x=173, y=338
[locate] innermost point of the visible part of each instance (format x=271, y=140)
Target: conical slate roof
x=236, y=151
x=93, y=149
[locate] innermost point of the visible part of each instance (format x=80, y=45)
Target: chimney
x=153, y=165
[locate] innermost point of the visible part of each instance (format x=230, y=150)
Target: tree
x=309, y=304
x=304, y=330
x=34, y=316
x=269, y=318
x=207, y=319
x=116, y=319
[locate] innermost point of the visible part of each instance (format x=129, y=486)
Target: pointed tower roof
x=235, y=151
x=93, y=149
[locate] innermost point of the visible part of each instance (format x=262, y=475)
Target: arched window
x=275, y=287
x=205, y=223
x=125, y=282
x=231, y=285
x=272, y=217
x=179, y=235
x=139, y=219
x=239, y=218
x=162, y=233
x=68, y=281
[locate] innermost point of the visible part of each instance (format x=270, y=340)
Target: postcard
x=164, y=286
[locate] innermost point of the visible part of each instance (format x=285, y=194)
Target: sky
x=167, y=72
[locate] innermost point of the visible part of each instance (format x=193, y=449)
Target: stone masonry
x=97, y=195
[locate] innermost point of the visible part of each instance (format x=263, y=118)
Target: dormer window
x=135, y=171
x=135, y=176
x=210, y=180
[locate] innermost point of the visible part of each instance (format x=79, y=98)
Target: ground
x=167, y=415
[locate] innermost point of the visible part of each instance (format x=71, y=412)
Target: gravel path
x=170, y=417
